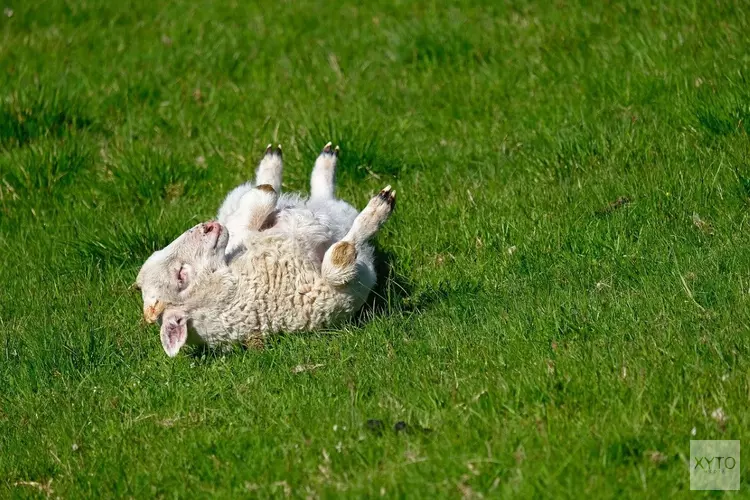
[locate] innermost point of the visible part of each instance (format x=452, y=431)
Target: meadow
x=564, y=288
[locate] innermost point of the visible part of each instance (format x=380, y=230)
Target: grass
x=554, y=340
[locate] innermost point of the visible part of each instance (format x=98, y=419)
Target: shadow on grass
x=390, y=294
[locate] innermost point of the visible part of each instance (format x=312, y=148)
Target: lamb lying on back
x=271, y=263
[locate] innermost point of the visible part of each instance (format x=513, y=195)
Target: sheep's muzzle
x=152, y=312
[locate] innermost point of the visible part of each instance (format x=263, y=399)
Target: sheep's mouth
x=222, y=238
x=215, y=235
x=219, y=232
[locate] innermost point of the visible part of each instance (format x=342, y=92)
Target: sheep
x=270, y=263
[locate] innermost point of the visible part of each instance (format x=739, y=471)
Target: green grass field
x=564, y=301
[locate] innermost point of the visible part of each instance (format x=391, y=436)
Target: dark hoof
x=328, y=150
x=270, y=150
x=388, y=195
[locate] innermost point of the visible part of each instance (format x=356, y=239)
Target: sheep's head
x=180, y=277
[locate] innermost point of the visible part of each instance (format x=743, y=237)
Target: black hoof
x=388, y=195
x=328, y=150
x=270, y=150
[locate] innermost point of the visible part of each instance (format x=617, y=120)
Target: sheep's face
x=177, y=277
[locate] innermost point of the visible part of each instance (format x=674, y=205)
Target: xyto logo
x=714, y=465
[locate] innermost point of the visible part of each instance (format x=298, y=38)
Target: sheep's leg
x=324, y=173
x=256, y=207
x=268, y=172
x=269, y=169
x=340, y=260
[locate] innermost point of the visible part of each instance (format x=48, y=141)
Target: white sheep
x=271, y=263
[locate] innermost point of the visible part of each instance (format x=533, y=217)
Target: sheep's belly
x=283, y=291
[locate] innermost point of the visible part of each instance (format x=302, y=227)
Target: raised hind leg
x=323, y=178
x=342, y=262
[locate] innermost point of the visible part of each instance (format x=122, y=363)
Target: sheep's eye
x=182, y=278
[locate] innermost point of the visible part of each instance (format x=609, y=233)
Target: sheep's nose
x=209, y=227
x=151, y=312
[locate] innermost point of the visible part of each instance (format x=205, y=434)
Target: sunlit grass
x=564, y=290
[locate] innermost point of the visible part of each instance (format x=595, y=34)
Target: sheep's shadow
x=392, y=292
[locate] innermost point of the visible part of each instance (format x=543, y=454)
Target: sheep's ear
x=173, y=332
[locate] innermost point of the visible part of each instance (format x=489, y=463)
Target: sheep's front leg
x=340, y=260
x=268, y=172
x=254, y=210
x=270, y=168
x=323, y=178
